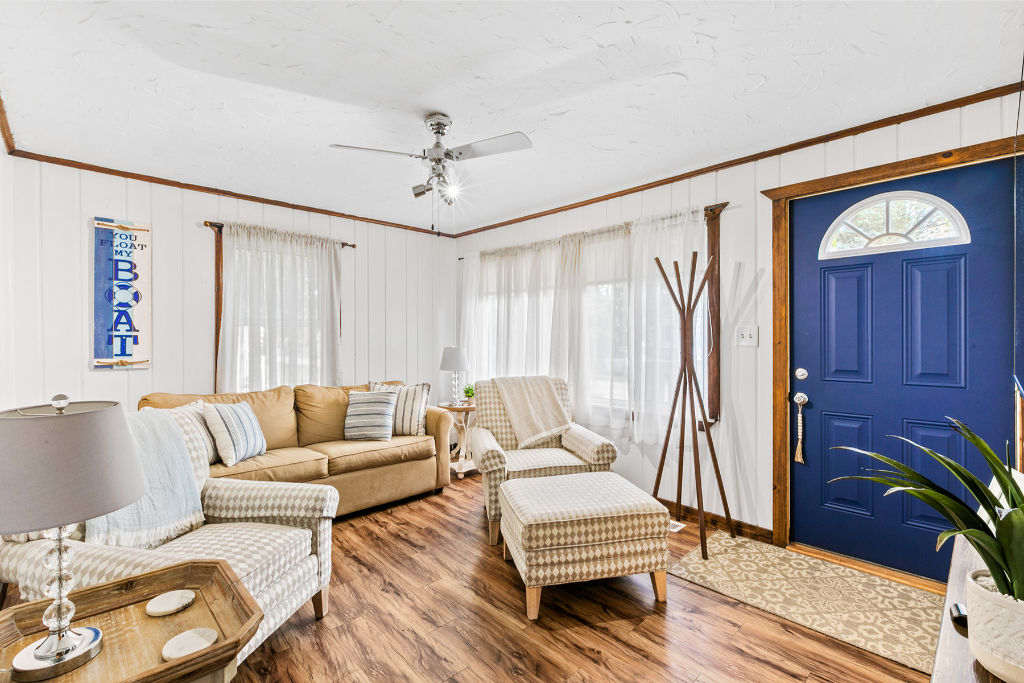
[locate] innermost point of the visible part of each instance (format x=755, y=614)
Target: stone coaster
x=169, y=603
x=188, y=642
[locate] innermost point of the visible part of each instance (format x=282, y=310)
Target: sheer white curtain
x=281, y=315
x=654, y=321
x=506, y=322
x=590, y=333
x=592, y=308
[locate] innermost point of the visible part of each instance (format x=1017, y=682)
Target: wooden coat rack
x=690, y=386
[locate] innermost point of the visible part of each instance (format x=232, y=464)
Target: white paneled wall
x=743, y=437
x=400, y=294
x=399, y=299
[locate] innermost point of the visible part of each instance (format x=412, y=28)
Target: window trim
x=963, y=232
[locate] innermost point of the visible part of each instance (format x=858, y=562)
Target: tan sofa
x=305, y=432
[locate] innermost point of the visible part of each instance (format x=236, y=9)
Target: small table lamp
x=455, y=360
x=61, y=464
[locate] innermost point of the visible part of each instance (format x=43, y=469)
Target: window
x=894, y=221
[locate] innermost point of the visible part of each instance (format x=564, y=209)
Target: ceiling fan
x=440, y=159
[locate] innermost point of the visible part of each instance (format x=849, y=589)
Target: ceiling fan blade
x=503, y=143
x=384, y=151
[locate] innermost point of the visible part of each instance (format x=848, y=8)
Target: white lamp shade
x=454, y=359
x=64, y=469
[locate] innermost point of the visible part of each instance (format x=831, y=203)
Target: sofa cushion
x=274, y=409
x=281, y=464
x=349, y=456
x=259, y=553
x=320, y=411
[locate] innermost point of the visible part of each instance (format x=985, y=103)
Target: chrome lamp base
x=54, y=655
x=64, y=648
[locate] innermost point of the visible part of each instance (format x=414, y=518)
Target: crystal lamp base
x=85, y=642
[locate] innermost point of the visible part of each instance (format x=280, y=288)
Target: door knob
x=800, y=398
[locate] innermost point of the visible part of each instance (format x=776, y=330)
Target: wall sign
x=122, y=295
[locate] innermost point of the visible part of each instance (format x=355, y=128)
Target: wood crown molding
x=989, y=94
x=781, y=198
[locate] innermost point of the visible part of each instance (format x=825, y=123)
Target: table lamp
x=61, y=464
x=455, y=360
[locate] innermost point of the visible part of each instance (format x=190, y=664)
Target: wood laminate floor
x=418, y=595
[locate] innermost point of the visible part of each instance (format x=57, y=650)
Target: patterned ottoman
x=578, y=527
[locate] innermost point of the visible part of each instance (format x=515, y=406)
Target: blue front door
x=892, y=342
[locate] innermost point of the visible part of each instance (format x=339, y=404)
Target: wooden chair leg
x=533, y=602
x=658, y=583
x=493, y=532
x=505, y=554
x=320, y=603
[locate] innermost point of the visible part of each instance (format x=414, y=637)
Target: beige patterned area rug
x=895, y=621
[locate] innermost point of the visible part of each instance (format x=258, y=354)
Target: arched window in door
x=894, y=221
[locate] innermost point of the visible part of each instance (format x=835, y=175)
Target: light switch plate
x=746, y=335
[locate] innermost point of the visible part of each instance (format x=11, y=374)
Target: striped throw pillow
x=410, y=407
x=235, y=430
x=370, y=415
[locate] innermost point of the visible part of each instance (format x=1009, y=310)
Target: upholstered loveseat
x=305, y=432
x=499, y=458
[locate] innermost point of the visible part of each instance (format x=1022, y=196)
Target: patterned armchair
x=275, y=535
x=497, y=456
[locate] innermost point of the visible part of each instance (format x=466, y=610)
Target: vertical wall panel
x=981, y=122
x=392, y=278
x=839, y=156
x=429, y=354
x=27, y=267
x=929, y=134
x=66, y=352
x=344, y=229
x=197, y=287
x=803, y=164
x=168, y=304
x=411, y=301
x=8, y=328
x=361, y=337
x=376, y=299
x=875, y=147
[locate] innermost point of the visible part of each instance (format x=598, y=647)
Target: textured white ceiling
x=246, y=96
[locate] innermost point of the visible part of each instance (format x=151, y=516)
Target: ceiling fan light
x=420, y=190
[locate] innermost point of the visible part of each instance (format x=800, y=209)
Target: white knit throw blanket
x=533, y=408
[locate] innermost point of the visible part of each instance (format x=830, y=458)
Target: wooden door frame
x=781, y=198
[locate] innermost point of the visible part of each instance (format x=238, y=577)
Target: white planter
x=995, y=629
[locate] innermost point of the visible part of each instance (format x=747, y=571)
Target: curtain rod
x=218, y=227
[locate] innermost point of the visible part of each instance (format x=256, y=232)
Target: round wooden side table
x=462, y=414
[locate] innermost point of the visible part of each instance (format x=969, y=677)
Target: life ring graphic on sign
x=123, y=295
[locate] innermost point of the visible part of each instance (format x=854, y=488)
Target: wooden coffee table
x=132, y=640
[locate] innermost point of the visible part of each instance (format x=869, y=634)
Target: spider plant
x=999, y=539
